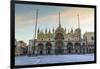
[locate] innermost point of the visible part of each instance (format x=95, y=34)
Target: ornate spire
x=46, y=30
x=53, y=30
x=49, y=31
x=71, y=29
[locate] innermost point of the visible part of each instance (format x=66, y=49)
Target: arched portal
x=77, y=47
x=59, y=47
x=48, y=47
x=83, y=48
x=40, y=48
x=69, y=48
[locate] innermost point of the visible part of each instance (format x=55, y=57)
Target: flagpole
x=78, y=21
x=36, y=23
x=79, y=32
x=36, y=32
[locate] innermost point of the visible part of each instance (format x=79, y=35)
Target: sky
x=48, y=17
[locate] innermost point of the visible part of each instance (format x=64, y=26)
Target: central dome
x=59, y=29
x=59, y=33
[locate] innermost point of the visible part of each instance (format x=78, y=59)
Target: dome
x=59, y=29
x=78, y=29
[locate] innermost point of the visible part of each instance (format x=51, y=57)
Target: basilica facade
x=59, y=41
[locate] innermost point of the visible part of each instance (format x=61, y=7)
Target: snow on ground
x=45, y=59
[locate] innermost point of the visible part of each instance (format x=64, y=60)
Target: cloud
x=85, y=13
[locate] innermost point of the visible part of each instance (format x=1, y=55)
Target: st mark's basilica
x=61, y=42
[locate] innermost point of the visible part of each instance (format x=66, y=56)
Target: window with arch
x=59, y=36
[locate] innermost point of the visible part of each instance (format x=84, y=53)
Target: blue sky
x=48, y=18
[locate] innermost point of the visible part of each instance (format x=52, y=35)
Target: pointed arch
x=77, y=47
x=69, y=48
x=48, y=47
x=59, y=47
x=40, y=48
